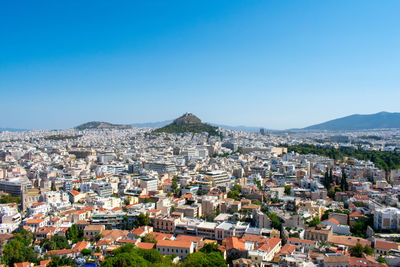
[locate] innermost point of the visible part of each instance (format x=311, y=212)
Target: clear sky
x=271, y=63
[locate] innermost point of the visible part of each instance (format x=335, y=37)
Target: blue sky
x=276, y=64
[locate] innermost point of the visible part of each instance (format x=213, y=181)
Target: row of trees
x=129, y=255
x=384, y=160
x=5, y=199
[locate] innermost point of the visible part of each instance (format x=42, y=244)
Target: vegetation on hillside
x=62, y=137
x=384, y=160
x=129, y=255
x=189, y=128
x=9, y=199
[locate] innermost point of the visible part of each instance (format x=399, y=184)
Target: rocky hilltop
x=188, y=123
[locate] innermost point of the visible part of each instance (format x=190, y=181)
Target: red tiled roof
x=386, y=245
x=174, y=243
x=271, y=244
x=254, y=238
x=196, y=239
x=234, y=243
x=161, y=236
x=34, y=221
x=74, y=192
x=356, y=214
x=288, y=249
x=146, y=245
x=59, y=252
x=334, y=221
x=80, y=246
x=37, y=204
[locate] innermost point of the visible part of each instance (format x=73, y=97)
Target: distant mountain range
x=101, y=125
x=381, y=120
x=12, y=130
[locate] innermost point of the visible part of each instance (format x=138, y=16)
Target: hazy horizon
x=277, y=65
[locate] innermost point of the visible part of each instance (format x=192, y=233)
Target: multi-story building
x=261, y=219
x=209, y=204
x=179, y=248
x=387, y=219
x=191, y=211
x=160, y=167
x=14, y=186
x=135, y=167
x=103, y=189
x=149, y=184
x=206, y=230
x=217, y=178
x=164, y=224
x=318, y=233
x=10, y=218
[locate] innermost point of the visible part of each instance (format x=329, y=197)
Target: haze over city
x=275, y=64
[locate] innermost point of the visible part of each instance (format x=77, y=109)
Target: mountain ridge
x=101, y=125
x=380, y=120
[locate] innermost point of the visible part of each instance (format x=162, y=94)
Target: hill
x=188, y=123
x=160, y=124
x=381, y=120
x=101, y=125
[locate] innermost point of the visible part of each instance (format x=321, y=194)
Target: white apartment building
x=149, y=184
x=10, y=219
x=387, y=219
x=217, y=178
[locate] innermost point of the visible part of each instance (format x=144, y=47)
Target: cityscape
x=200, y=133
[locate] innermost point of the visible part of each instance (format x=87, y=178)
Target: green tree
x=235, y=192
x=368, y=250
x=97, y=237
x=382, y=260
x=210, y=247
x=199, y=259
x=325, y=216
x=63, y=261
x=149, y=238
x=73, y=234
x=357, y=251
x=258, y=183
x=288, y=189
x=275, y=221
x=130, y=256
x=17, y=251
x=234, y=195
x=55, y=242
x=344, y=185
x=53, y=186
x=359, y=228
x=142, y=220
x=24, y=236
x=86, y=252
x=174, y=186
x=314, y=222
x=256, y=202
x=9, y=199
